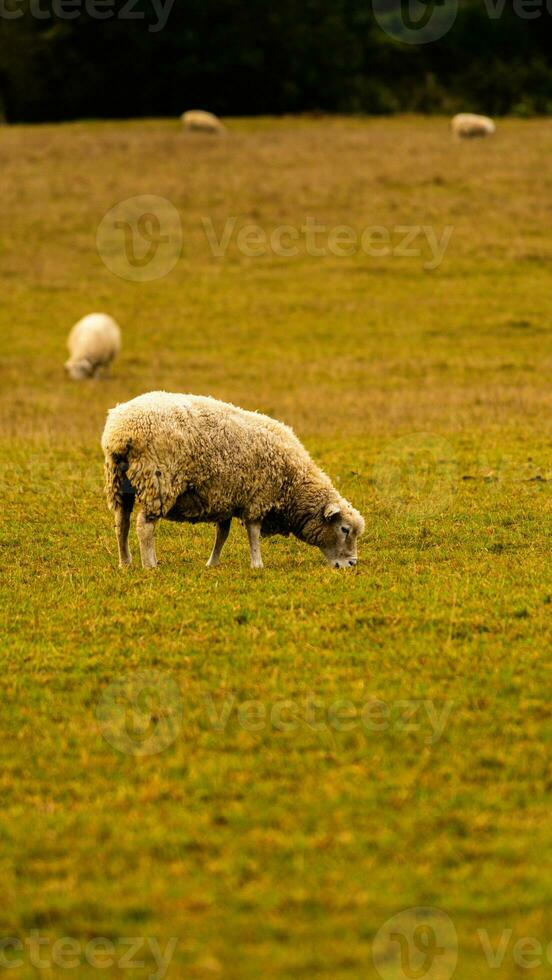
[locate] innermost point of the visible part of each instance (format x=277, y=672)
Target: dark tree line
x=256, y=56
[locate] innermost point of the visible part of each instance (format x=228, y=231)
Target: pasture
x=397, y=754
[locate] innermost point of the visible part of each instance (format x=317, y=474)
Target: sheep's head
x=79, y=370
x=343, y=525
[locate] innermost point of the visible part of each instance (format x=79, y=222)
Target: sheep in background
x=195, y=459
x=466, y=125
x=93, y=344
x=204, y=122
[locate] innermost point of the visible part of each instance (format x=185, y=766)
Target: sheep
x=467, y=125
x=93, y=344
x=195, y=459
x=205, y=122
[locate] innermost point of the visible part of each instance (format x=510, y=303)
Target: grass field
x=410, y=765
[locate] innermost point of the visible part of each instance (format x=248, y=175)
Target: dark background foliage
x=241, y=57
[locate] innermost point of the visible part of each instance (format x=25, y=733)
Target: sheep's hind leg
x=254, y=535
x=223, y=530
x=122, y=526
x=146, y=539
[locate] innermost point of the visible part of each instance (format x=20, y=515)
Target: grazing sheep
x=467, y=126
x=93, y=343
x=204, y=122
x=196, y=459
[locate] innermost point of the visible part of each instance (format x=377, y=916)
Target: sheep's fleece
x=93, y=343
x=205, y=122
x=466, y=125
x=193, y=458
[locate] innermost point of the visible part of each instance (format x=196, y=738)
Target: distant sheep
x=204, y=122
x=93, y=344
x=466, y=125
x=196, y=459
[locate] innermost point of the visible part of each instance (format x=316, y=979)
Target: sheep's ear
x=331, y=511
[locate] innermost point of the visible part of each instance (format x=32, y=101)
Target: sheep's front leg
x=146, y=539
x=103, y=371
x=223, y=530
x=254, y=535
x=122, y=527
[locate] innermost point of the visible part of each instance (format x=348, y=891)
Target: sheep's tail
x=118, y=489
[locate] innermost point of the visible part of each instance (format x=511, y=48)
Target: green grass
x=269, y=851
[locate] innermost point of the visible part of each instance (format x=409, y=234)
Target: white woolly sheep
x=204, y=122
x=195, y=459
x=93, y=344
x=466, y=125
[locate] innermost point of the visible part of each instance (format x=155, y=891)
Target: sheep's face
x=79, y=370
x=338, y=541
